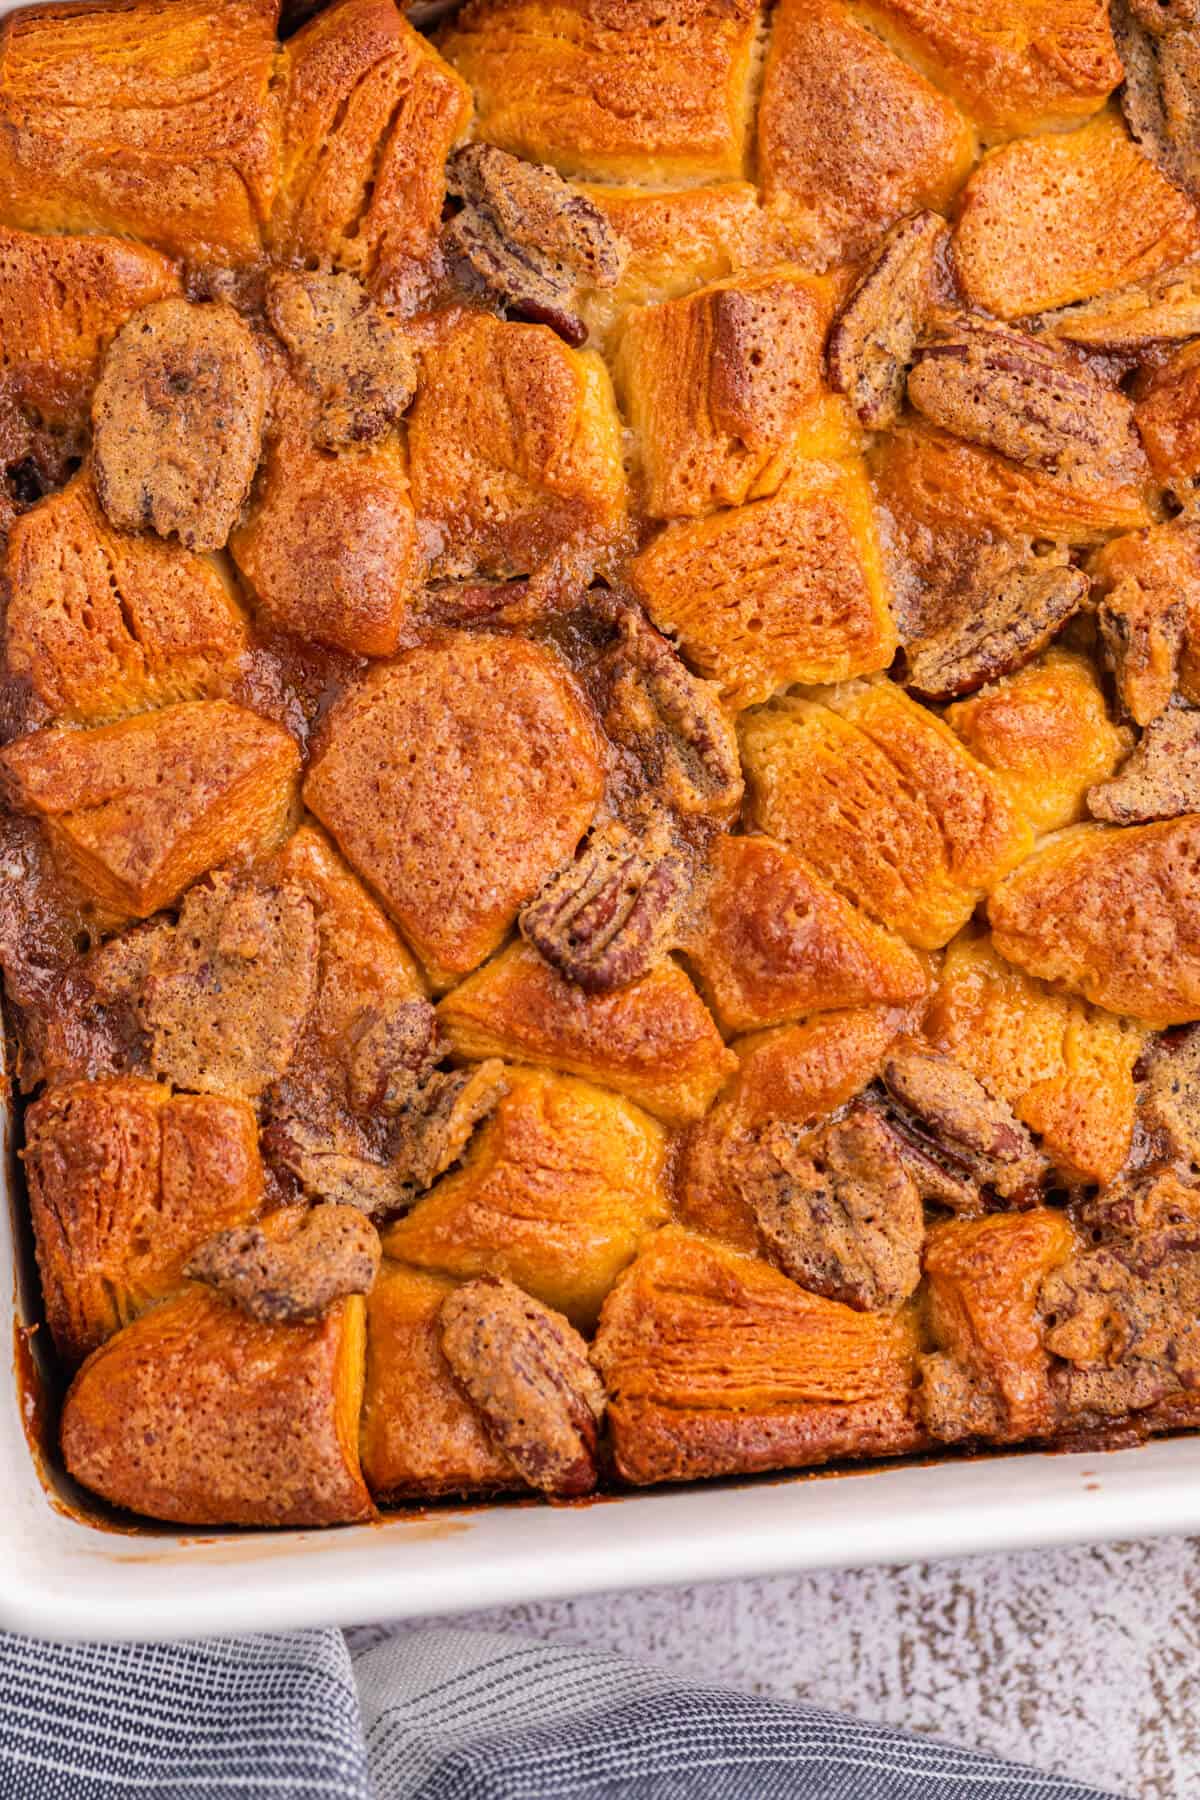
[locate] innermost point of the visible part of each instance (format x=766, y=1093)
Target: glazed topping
x=528, y=1373
x=292, y=1267
x=349, y=353
x=178, y=417
x=963, y=1142
x=394, y=1051
x=1164, y=309
x=874, y=338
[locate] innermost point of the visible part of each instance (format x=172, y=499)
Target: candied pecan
x=1021, y=396
x=1154, y=1206
x=1142, y=631
x=350, y=354
x=875, y=335
x=434, y=1129
x=293, y=1268
x=178, y=417
x=1160, y=48
x=838, y=1211
x=329, y=1162
x=672, y=721
x=528, y=237
x=1002, y=630
x=1170, y=1098
x=526, y=1370
x=607, y=916
x=1162, y=777
x=393, y=1052
x=1163, y=309
x=974, y=1142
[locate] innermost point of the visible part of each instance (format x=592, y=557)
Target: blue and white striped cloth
x=441, y=1715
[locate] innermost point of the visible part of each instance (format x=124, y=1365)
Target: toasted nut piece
x=838, y=1211
x=394, y=1051
x=527, y=1371
x=435, y=1130
x=1162, y=777
x=1147, y=587
x=528, y=237
x=350, y=355
x=876, y=332
x=1160, y=48
x=1004, y=629
x=607, y=916
x=1164, y=309
x=292, y=1266
x=953, y=1120
x=1171, y=1098
x=1019, y=395
x=331, y=1163
x=178, y=417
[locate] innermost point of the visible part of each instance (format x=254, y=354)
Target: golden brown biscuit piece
x=103, y=622
x=421, y=1436
x=62, y=300
x=850, y=138
x=329, y=549
x=1059, y=218
x=349, y=354
x=455, y=780
x=201, y=1416
x=1147, y=589
x=177, y=418
x=716, y=386
x=555, y=1192
x=155, y=119
x=637, y=90
x=515, y=446
x=990, y=1375
x=369, y=113
x=1065, y=1068
x=1017, y=66
x=1047, y=734
x=654, y=1041
x=140, y=809
x=125, y=1180
x=787, y=1079
x=1111, y=915
x=788, y=589
x=883, y=800
x=716, y=1364
x=771, y=941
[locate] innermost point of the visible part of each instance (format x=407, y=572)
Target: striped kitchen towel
x=441, y=1715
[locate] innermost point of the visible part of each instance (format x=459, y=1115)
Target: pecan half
x=1002, y=630
x=674, y=723
x=875, y=335
x=434, y=1130
x=393, y=1054
x=1142, y=632
x=962, y=1144
x=528, y=237
x=293, y=1266
x=607, y=916
x=526, y=1370
x=331, y=1163
x=838, y=1211
x=1162, y=777
x=1159, y=45
x=1164, y=309
x=1170, y=1099
x=351, y=356
x=1023, y=397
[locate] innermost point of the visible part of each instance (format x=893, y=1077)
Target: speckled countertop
x=1084, y=1661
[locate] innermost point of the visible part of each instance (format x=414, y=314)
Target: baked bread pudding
x=600, y=736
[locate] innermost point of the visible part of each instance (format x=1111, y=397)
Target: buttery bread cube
x=884, y=801
x=773, y=941
x=717, y=384
x=103, y=622
x=787, y=589
x=716, y=1364
x=329, y=550
x=454, y=780
x=1065, y=1068
x=138, y=810
x=1014, y=65
x=654, y=1041
x=370, y=111
x=1047, y=734
x=200, y=1415
x=1059, y=218
x=152, y=118
x=556, y=1191
x=125, y=1180
x=655, y=91
x=515, y=445
x=1111, y=915
x=850, y=138
x=990, y=1376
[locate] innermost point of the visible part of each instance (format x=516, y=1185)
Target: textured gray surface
x=1085, y=1661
